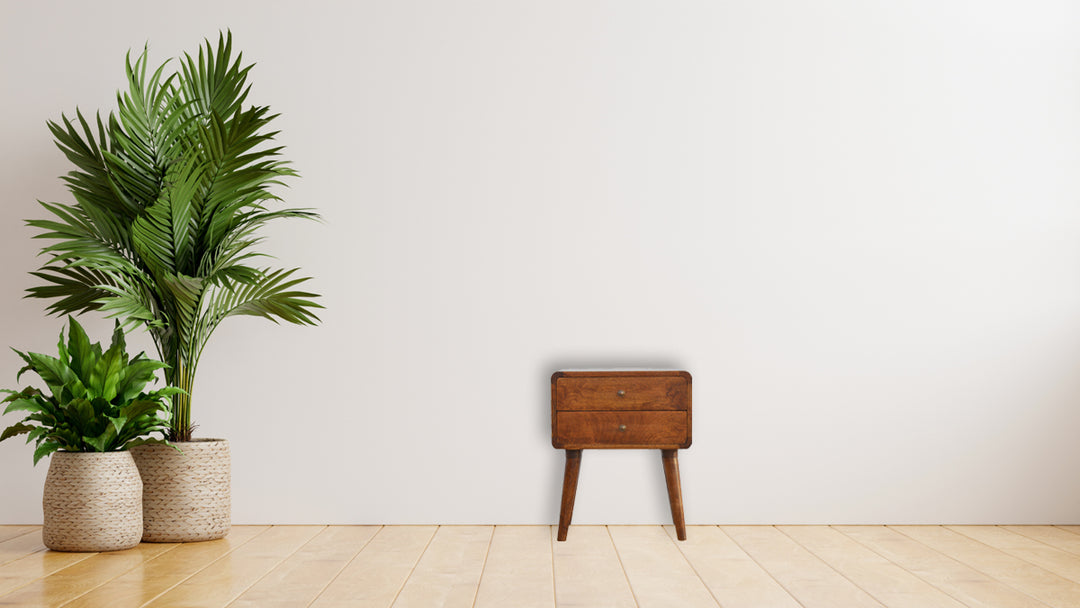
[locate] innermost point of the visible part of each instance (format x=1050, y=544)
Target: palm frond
x=215, y=83
x=171, y=193
x=91, y=184
x=163, y=235
x=273, y=298
x=74, y=289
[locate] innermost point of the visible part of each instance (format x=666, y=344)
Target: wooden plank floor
x=597, y=567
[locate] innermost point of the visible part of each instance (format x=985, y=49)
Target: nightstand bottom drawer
x=652, y=429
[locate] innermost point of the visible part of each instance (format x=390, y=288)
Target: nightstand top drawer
x=620, y=390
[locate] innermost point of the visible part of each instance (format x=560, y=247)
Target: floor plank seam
x=412, y=569
x=18, y=536
x=554, y=579
x=483, y=567
x=208, y=564
x=915, y=574
x=347, y=563
x=1041, y=542
x=760, y=565
x=980, y=570
x=1038, y=540
x=6, y=528
x=140, y=564
x=44, y=576
x=273, y=567
x=832, y=567
x=1070, y=530
x=1010, y=553
x=15, y=559
x=1013, y=554
x=622, y=566
x=675, y=541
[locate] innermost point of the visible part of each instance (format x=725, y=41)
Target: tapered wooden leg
x=674, y=490
x=569, y=490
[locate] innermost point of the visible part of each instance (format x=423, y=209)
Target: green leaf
x=24, y=405
x=16, y=429
x=106, y=373
x=54, y=372
x=118, y=423
x=103, y=442
x=150, y=441
x=44, y=449
x=36, y=434
x=140, y=408
x=80, y=413
x=135, y=376
x=82, y=355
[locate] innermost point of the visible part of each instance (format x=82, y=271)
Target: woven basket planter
x=92, y=502
x=185, y=494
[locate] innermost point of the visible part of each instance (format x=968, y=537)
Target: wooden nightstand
x=604, y=409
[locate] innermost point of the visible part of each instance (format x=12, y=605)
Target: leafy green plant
x=170, y=193
x=96, y=400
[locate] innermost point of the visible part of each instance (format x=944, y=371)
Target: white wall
x=856, y=223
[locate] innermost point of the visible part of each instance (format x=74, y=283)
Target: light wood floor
x=598, y=567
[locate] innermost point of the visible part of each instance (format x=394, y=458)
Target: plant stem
x=182, y=376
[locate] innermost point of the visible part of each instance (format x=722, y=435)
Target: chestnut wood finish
x=674, y=490
x=609, y=409
x=646, y=430
x=569, y=490
x=623, y=393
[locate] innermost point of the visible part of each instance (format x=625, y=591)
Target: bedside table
x=616, y=409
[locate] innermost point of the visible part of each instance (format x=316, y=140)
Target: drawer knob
x=620, y=392
x=622, y=427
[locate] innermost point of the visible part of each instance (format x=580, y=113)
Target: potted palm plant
x=170, y=194
x=96, y=408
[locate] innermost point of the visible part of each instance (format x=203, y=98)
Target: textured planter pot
x=185, y=494
x=92, y=502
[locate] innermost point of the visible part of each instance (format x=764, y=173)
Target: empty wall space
x=857, y=224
